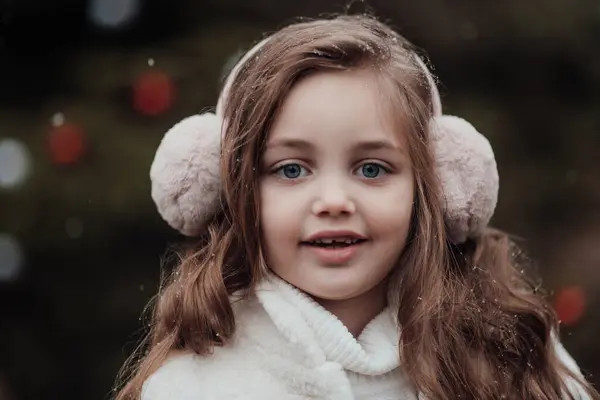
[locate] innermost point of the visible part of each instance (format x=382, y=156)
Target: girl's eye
x=372, y=170
x=291, y=171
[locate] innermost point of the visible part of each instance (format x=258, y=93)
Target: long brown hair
x=473, y=326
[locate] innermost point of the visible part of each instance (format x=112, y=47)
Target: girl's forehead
x=347, y=106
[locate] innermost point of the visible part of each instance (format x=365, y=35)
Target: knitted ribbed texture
x=371, y=361
x=375, y=351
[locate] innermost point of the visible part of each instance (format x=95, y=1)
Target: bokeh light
x=74, y=228
x=113, y=13
x=66, y=144
x=15, y=163
x=153, y=93
x=58, y=119
x=569, y=304
x=11, y=258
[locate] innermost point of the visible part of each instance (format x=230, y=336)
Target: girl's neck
x=355, y=313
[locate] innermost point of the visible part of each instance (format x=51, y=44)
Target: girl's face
x=336, y=188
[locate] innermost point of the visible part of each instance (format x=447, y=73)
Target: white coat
x=287, y=347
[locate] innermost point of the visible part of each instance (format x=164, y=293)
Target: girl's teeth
x=331, y=241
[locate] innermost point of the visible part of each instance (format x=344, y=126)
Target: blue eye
x=371, y=170
x=290, y=171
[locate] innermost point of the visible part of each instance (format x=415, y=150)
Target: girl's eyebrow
x=298, y=144
x=364, y=145
x=377, y=144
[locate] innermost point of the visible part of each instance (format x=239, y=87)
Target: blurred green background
x=88, y=88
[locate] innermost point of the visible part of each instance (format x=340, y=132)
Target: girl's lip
x=335, y=255
x=334, y=234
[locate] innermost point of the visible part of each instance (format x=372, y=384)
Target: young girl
x=343, y=250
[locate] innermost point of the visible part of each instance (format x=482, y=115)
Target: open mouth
x=334, y=243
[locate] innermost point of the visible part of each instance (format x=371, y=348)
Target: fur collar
x=305, y=322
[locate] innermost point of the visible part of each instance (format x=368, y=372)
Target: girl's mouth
x=334, y=242
x=334, y=252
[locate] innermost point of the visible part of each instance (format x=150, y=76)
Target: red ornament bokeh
x=66, y=144
x=569, y=304
x=153, y=93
